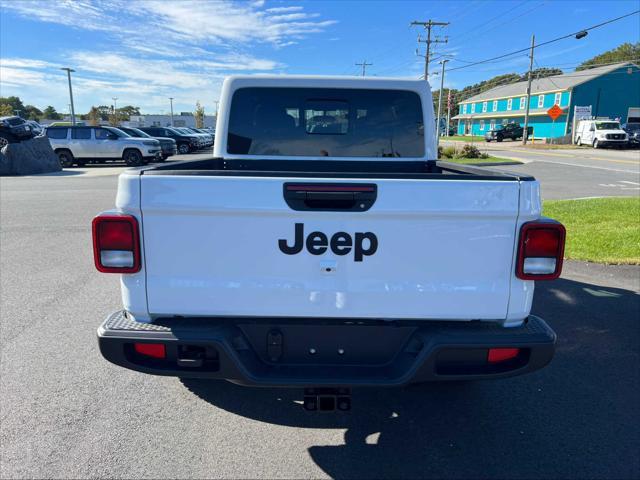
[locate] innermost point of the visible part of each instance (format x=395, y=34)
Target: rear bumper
x=345, y=354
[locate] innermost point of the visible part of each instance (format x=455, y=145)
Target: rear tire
x=499, y=138
x=65, y=157
x=7, y=138
x=183, y=148
x=596, y=144
x=132, y=157
x=578, y=141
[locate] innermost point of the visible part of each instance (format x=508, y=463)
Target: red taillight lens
x=154, y=350
x=497, y=355
x=540, y=251
x=116, y=244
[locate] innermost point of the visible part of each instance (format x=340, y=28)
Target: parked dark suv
x=14, y=129
x=510, y=130
x=186, y=143
x=168, y=145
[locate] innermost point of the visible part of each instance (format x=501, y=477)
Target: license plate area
x=286, y=344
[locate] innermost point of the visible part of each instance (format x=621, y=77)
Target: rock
x=29, y=157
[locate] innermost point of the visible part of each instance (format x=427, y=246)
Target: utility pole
x=448, y=111
x=171, y=100
x=525, y=132
x=115, y=109
x=427, y=26
x=364, y=66
x=443, y=62
x=73, y=112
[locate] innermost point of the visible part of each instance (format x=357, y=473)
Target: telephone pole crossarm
x=427, y=26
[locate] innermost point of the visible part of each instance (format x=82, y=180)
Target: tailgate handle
x=330, y=197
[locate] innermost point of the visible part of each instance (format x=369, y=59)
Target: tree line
x=15, y=106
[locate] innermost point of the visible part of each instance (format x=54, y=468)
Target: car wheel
x=65, y=157
x=578, y=141
x=183, y=148
x=499, y=138
x=596, y=144
x=132, y=157
x=488, y=140
x=6, y=139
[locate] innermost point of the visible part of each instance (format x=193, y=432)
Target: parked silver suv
x=79, y=145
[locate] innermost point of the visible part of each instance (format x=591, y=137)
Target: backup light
x=540, y=250
x=116, y=244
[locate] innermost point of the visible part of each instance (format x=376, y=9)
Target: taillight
x=540, y=250
x=153, y=350
x=498, y=355
x=116, y=244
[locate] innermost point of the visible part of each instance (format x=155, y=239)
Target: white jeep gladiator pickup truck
x=324, y=246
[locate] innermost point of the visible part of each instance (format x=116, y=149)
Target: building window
x=505, y=121
x=492, y=125
x=481, y=124
x=464, y=108
x=509, y=103
x=473, y=108
x=523, y=103
x=495, y=106
x=558, y=99
x=540, y=101
x=484, y=107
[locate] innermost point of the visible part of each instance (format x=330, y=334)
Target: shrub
x=448, y=152
x=470, y=151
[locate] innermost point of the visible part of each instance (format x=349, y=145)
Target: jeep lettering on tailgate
x=341, y=243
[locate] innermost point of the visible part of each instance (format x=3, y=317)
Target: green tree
x=32, y=113
x=542, y=73
x=626, y=52
x=199, y=115
x=50, y=113
x=14, y=103
x=125, y=112
x=5, y=110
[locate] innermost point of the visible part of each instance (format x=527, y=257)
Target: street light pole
x=115, y=109
x=443, y=62
x=171, y=100
x=73, y=112
x=525, y=132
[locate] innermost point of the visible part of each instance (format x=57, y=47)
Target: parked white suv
x=78, y=145
x=600, y=133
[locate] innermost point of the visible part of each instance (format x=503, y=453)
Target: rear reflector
x=540, y=250
x=116, y=243
x=154, y=350
x=497, y=355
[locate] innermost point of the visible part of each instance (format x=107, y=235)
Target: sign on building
x=581, y=113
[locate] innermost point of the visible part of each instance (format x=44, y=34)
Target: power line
x=364, y=66
x=547, y=42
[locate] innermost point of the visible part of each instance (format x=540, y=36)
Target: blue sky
x=144, y=51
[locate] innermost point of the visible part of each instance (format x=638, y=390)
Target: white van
x=600, y=133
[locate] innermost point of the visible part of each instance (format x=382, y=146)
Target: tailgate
x=216, y=245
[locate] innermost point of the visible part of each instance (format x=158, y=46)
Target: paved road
x=573, y=173
x=67, y=413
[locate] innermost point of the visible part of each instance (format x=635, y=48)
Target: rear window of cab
x=326, y=122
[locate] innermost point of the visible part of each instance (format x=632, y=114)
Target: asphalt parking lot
x=67, y=413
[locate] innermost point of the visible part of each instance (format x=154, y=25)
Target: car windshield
x=117, y=131
x=323, y=122
x=498, y=127
x=608, y=126
x=139, y=133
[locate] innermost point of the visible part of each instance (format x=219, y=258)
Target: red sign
x=554, y=112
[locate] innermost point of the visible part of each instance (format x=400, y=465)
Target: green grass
x=464, y=138
x=602, y=230
x=481, y=161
